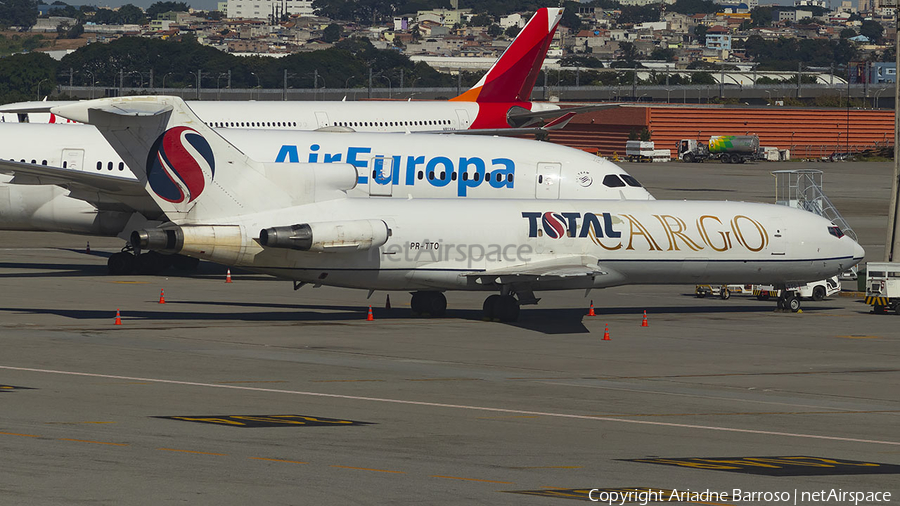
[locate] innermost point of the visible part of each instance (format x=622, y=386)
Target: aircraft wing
x=556, y=124
x=552, y=113
x=103, y=190
x=573, y=266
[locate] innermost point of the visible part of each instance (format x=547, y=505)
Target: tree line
x=175, y=64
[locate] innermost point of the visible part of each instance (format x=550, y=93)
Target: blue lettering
x=288, y=153
x=435, y=178
x=411, y=162
x=359, y=164
x=314, y=157
x=378, y=171
x=466, y=180
x=332, y=158
x=607, y=221
x=395, y=169
x=532, y=223
x=571, y=219
x=505, y=175
x=591, y=221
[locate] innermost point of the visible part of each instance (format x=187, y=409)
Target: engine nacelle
x=330, y=236
x=219, y=243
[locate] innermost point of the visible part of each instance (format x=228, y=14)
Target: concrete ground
x=188, y=402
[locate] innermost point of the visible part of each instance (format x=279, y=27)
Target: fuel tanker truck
x=727, y=148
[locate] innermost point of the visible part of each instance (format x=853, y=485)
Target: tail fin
x=177, y=157
x=512, y=77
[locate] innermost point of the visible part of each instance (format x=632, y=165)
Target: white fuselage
x=419, y=165
x=361, y=116
x=440, y=245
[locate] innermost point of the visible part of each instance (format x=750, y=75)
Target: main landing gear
x=128, y=261
x=504, y=308
x=501, y=307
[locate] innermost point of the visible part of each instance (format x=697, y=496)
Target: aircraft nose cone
x=858, y=251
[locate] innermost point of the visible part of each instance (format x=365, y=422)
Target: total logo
x=559, y=225
x=180, y=165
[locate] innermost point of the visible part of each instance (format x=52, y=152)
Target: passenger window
x=465, y=176
x=630, y=180
x=478, y=176
x=64, y=164
x=99, y=165
x=541, y=179
x=613, y=181
x=121, y=165
x=109, y=166
x=421, y=174
x=509, y=178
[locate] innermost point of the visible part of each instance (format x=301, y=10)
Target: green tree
x=22, y=74
x=629, y=52
x=494, y=30
x=847, y=33
x=570, y=18
x=762, y=16
x=581, y=61
x=691, y=7
x=872, y=30
x=700, y=33
x=159, y=7
x=18, y=13
x=131, y=15
x=481, y=20
x=512, y=31
x=332, y=33
x=702, y=78
x=663, y=54
x=633, y=14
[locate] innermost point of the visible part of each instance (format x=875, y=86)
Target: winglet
x=512, y=77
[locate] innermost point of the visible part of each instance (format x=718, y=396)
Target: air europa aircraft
x=302, y=225
x=99, y=195
x=499, y=103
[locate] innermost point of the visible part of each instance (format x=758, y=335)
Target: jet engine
x=331, y=236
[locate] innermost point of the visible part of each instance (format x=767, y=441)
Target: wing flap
x=572, y=266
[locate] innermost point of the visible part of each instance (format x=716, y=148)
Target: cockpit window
x=630, y=180
x=612, y=181
x=835, y=231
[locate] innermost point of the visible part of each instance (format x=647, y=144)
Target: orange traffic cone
x=118, y=318
x=162, y=296
x=606, y=333
x=88, y=248
x=387, y=301
x=591, y=311
x=228, y=276
x=644, y=322
x=369, y=317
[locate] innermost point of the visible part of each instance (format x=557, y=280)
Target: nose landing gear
x=788, y=301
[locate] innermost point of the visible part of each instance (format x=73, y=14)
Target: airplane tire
x=415, y=303
x=148, y=263
x=507, y=309
x=818, y=293
x=436, y=304
x=793, y=303
x=489, y=305
x=120, y=264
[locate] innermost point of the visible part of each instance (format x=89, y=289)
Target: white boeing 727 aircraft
x=303, y=225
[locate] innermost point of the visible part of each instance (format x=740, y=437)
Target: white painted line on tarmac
x=456, y=406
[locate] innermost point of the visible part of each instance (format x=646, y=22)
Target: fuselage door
x=463, y=116
x=547, y=182
x=321, y=119
x=73, y=159
x=381, y=176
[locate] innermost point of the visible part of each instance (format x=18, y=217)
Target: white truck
x=883, y=287
x=645, y=151
x=815, y=290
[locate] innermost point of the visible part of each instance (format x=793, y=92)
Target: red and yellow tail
x=512, y=77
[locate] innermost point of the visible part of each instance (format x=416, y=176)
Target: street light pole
x=258, y=86
x=39, y=89
x=892, y=245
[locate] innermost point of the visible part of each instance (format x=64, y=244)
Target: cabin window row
x=252, y=124
x=423, y=122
